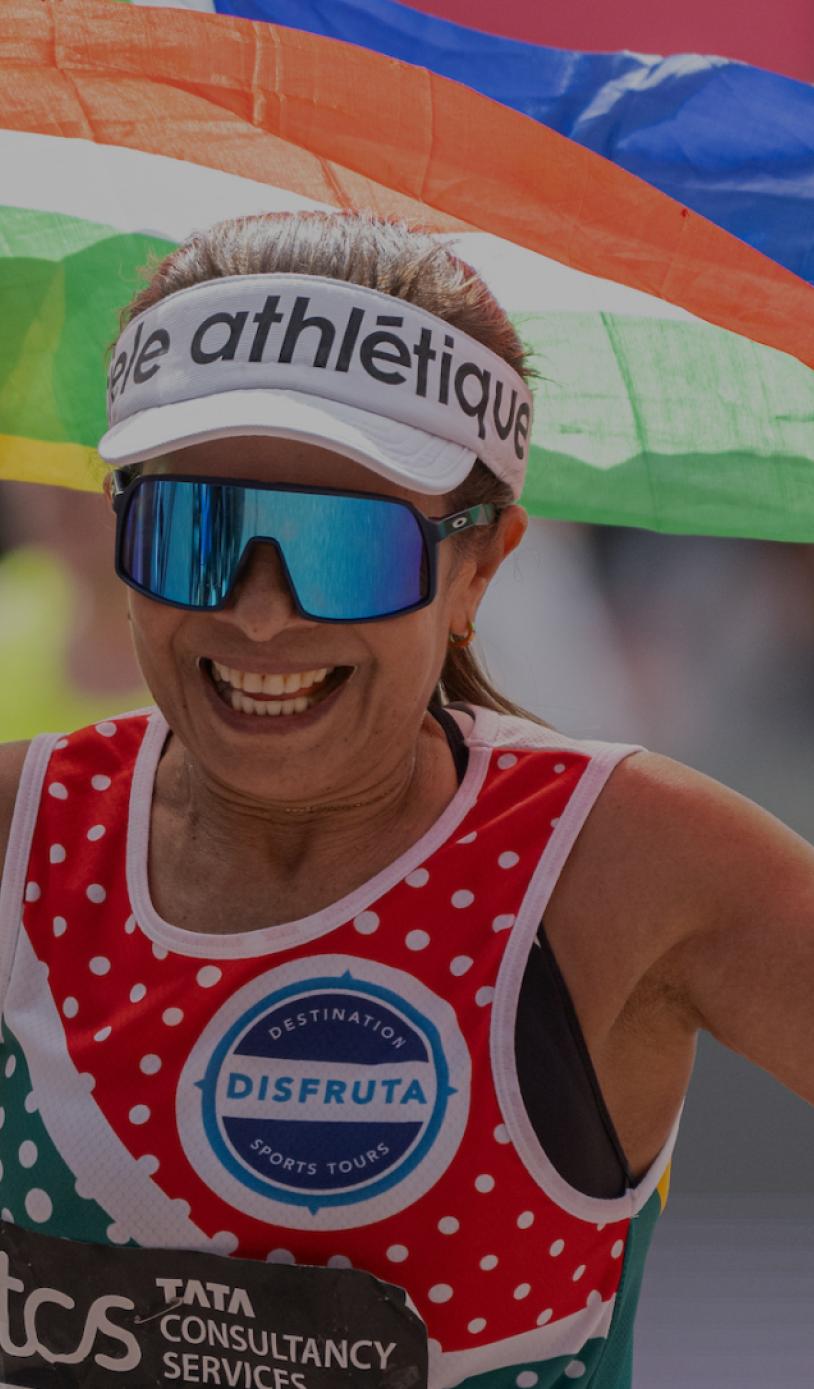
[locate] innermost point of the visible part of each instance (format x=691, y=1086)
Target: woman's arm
x=739, y=890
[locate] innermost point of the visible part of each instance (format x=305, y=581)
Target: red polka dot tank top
x=339, y=1090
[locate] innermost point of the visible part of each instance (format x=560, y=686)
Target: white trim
x=18, y=850
x=604, y=757
x=111, y=1177
x=287, y=935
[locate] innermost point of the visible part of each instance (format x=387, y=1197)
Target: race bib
x=95, y=1317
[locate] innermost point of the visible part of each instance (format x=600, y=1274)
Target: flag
x=676, y=388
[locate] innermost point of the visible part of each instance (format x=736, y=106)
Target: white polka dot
x=416, y=940
x=476, y=1325
x=448, y=1225
x=522, y=1290
x=593, y=1299
x=506, y=759
x=149, y=1163
x=617, y=1248
x=95, y=893
x=463, y=898
x=525, y=1219
x=559, y=767
x=440, y=1292
x=88, y=1080
x=139, y=1114
x=159, y=952
x=11, y=1066
x=172, y=1016
x=58, y=791
x=27, y=1154
x=63, y=743
x=38, y=1205
x=556, y=1248
x=83, y=1189
x=485, y=1182
x=29, y=1104
x=70, y=1007
x=7, y=1216
x=117, y=1234
x=577, y=1274
x=366, y=923
x=181, y=1206
x=99, y=782
x=103, y=1034
x=526, y=1379
x=574, y=1369
x=555, y=822
x=339, y=1261
x=225, y=1242
x=545, y=1316
x=484, y=996
x=467, y=838
x=488, y=1262
x=95, y=832
x=508, y=859
x=461, y=964
x=138, y=992
x=602, y=1225
x=106, y=729
x=418, y=878
x=501, y=1134
x=397, y=1253
x=503, y=923
x=56, y=853
x=60, y=926
x=209, y=975
x=150, y=1064
x=280, y=1256
x=130, y=925
x=33, y=892
x=100, y=964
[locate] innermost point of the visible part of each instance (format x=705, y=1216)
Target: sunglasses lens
x=348, y=558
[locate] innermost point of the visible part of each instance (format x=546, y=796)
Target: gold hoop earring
x=455, y=639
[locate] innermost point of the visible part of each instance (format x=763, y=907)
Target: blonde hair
x=396, y=259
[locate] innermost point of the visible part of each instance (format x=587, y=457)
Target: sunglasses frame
x=434, y=529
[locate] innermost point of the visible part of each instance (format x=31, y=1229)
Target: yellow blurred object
x=37, y=597
x=59, y=465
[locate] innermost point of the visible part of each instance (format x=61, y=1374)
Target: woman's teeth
x=237, y=687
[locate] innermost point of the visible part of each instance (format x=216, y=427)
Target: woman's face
x=397, y=662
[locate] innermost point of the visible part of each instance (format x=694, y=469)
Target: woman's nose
x=261, y=596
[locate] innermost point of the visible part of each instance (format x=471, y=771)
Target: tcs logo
x=317, y=1089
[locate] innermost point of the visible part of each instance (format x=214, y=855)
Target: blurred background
x=698, y=648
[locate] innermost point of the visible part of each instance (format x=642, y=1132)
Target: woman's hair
x=394, y=258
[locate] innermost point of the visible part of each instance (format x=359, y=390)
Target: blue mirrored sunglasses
x=347, y=556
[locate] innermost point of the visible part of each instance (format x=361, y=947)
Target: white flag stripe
x=133, y=191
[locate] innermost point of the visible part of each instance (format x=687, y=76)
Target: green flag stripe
x=669, y=425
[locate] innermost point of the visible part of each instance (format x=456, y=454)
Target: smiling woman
x=299, y=1003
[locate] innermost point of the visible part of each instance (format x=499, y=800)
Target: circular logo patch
x=319, y=1088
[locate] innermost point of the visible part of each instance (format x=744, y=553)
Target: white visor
x=325, y=361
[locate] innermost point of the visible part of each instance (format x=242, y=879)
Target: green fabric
x=36, y=602
x=72, y=1216
x=640, y=421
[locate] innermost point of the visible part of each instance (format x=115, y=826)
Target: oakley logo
x=427, y=362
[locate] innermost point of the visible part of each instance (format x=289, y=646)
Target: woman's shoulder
x=12, y=757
